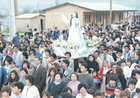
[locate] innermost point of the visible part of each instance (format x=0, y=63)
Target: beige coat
x=109, y=58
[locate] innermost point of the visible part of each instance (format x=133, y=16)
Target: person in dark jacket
x=92, y=64
x=108, y=26
x=56, y=86
x=121, y=77
x=30, y=33
x=39, y=75
x=49, y=33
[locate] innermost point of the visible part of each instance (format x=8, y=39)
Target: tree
x=27, y=9
x=56, y=2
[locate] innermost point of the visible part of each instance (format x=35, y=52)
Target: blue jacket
x=56, y=36
x=38, y=54
x=16, y=40
x=4, y=75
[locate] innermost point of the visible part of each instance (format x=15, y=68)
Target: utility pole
x=110, y=11
x=12, y=26
x=38, y=8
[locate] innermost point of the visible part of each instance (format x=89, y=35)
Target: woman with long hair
x=121, y=77
x=92, y=64
x=13, y=77
x=50, y=77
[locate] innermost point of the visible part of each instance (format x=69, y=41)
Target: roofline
x=67, y=4
x=86, y=8
x=118, y=11
x=31, y=17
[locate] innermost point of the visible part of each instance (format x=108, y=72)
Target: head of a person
x=29, y=80
x=105, y=51
x=16, y=48
x=127, y=48
x=123, y=63
x=65, y=63
x=90, y=91
x=119, y=71
x=133, y=74
x=18, y=87
x=66, y=95
x=13, y=64
x=74, y=77
x=6, y=91
x=113, y=80
x=7, y=61
x=138, y=61
x=52, y=72
x=17, y=34
x=113, y=67
x=132, y=84
x=84, y=67
x=117, y=92
x=91, y=57
x=56, y=66
x=120, y=52
x=37, y=61
x=45, y=94
x=96, y=54
x=67, y=89
x=138, y=92
x=4, y=52
x=58, y=76
x=80, y=62
x=24, y=55
x=13, y=77
x=26, y=64
x=112, y=39
x=23, y=72
x=53, y=57
x=105, y=63
x=82, y=89
x=68, y=55
x=32, y=55
x=129, y=62
x=47, y=52
x=125, y=94
x=138, y=74
x=102, y=46
x=98, y=94
x=94, y=73
x=75, y=14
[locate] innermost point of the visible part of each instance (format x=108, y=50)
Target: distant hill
x=33, y=4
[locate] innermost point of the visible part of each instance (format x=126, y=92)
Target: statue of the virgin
x=75, y=33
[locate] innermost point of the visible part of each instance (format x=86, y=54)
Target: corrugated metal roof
x=29, y=15
x=96, y=7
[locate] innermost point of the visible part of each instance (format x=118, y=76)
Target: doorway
x=41, y=21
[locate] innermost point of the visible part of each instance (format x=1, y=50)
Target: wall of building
x=21, y=23
x=54, y=16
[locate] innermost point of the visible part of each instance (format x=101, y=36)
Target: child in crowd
x=132, y=88
x=96, y=78
x=45, y=94
x=117, y=93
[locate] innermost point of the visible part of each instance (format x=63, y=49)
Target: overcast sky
x=4, y=4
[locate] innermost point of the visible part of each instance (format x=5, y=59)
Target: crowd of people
x=29, y=68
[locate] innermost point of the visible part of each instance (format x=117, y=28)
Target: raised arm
x=65, y=19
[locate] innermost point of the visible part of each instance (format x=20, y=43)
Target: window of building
x=87, y=18
x=98, y=18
